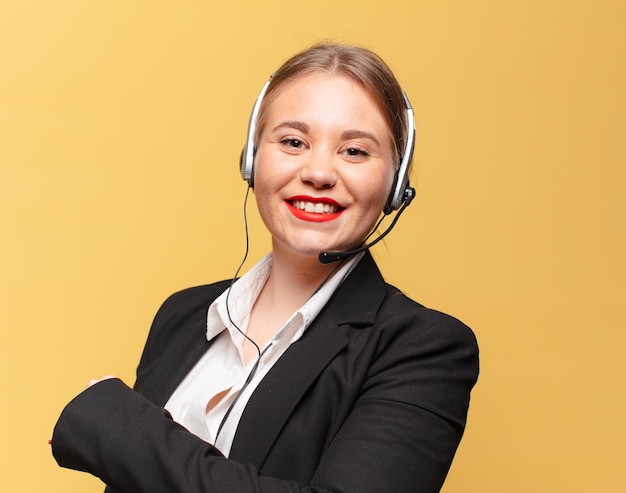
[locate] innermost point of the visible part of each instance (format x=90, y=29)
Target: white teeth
x=316, y=207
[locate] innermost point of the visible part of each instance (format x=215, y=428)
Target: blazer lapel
x=355, y=302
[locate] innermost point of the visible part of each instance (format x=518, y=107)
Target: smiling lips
x=314, y=209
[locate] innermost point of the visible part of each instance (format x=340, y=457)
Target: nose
x=319, y=170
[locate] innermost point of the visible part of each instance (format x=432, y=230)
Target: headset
x=401, y=192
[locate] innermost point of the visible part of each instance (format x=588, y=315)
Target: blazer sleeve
x=114, y=433
x=400, y=435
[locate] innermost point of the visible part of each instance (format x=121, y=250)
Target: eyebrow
x=303, y=127
x=360, y=134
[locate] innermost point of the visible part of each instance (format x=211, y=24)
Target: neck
x=296, y=277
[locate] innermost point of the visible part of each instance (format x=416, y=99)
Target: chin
x=303, y=249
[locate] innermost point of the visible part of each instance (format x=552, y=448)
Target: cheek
x=378, y=188
x=263, y=173
x=263, y=192
x=270, y=167
x=268, y=182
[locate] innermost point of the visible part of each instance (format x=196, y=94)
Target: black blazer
x=373, y=398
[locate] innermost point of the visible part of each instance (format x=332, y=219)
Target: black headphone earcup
x=390, y=199
x=247, y=169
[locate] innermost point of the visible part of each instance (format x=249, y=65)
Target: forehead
x=327, y=96
x=316, y=82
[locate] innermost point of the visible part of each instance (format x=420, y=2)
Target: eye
x=355, y=151
x=292, y=142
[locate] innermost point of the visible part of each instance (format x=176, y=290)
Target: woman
x=302, y=375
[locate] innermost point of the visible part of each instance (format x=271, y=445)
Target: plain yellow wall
x=121, y=124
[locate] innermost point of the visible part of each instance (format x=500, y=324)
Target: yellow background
x=121, y=124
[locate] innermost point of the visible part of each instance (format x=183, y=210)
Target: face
x=324, y=166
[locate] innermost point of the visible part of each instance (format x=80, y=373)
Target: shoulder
x=190, y=300
x=406, y=319
x=366, y=299
x=182, y=316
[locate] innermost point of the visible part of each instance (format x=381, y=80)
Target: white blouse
x=222, y=367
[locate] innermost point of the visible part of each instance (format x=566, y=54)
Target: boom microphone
x=329, y=257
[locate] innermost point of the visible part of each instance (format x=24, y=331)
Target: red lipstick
x=298, y=204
